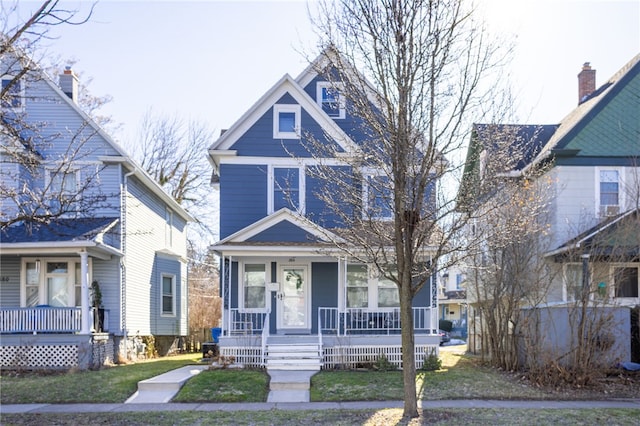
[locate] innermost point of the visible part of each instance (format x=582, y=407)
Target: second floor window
x=609, y=188
x=286, y=188
x=378, y=198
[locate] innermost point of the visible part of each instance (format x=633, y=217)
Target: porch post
x=84, y=292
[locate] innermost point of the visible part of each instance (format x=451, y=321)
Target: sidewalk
x=294, y=406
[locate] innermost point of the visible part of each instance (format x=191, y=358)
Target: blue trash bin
x=215, y=334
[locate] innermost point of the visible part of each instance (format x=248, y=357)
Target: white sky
x=211, y=60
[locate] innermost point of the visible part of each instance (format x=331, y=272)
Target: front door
x=293, y=298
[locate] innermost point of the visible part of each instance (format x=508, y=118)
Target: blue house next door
x=293, y=299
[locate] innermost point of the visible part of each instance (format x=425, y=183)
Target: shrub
x=431, y=361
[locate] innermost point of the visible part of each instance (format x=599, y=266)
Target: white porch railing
x=364, y=321
x=265, y=337
x=46, y=320
x=244, y=323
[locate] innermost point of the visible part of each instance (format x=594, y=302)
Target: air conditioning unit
x=609, y=211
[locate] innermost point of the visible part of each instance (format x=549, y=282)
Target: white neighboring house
x=119, y=233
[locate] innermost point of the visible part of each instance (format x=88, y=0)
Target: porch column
x=84, y=292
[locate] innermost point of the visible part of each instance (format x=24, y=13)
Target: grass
x=588, y=417
x=113, y=384
x=459, y=378
x=226, y=386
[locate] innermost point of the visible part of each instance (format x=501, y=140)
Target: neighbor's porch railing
x=365, y=321
x=46, y=319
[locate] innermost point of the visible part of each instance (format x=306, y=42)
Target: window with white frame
x=254, y=285
x=14, y=96
x=168, y=294
x=330, y=100
x=51, y=281
x=286, y=121
x=625, y=279
x=378, y=197
x=357, y=286
x=609, y=192
x=286, y=189
x=366, y=290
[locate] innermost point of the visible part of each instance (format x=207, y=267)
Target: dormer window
x=329, y=98
x=14, y=95
x=286, y=121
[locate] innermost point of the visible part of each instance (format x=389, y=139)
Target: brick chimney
x=69, y=84
x=586, y=82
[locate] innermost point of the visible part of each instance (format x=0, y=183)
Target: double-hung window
x=609, y=191
x=168, y=294
x=572, y=276
x=365, y=290
x=254, y=285
x=330, y=100
x=13, y=93
x=286, y=121
x=286, y=188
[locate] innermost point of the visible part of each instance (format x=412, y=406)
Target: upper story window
x=609, y=192
x=286, y=189
x=378, y=197
x=14, y=97
x=286, y=121
x=329, y=98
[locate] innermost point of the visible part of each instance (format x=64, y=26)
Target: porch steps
x=293, y=356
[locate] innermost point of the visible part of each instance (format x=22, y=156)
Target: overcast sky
x=211, y=60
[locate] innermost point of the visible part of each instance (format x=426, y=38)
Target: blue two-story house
x=292, y=298
x=92, y=250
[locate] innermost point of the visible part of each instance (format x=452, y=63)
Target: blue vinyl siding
x=324, y=291
x=316, y=210
x=283, y=231
x=243, y=196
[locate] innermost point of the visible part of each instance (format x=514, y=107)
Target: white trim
x=341, y=99
x=621, y=199
x=241, y=286
x=301, y=186
x=173, y=313
x=286, y=108
x=282, y=161
x=43, y=297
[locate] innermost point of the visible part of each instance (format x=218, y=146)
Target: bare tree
x=419, y=67
x=205, y=304
x=65, y=186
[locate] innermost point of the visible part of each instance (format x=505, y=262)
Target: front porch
x=345, y=339
x=45, y=337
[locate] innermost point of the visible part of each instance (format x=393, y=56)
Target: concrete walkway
x=289, y=386
x=296, y=406
x=162, y=388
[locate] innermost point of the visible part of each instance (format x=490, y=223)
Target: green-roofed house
x=591, y=161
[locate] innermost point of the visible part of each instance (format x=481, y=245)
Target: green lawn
x=112, y=384
x=226, y=386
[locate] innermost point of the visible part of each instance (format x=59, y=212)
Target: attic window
x=14, y=95
x=329, y=98
x=286, y=121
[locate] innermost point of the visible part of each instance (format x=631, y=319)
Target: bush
x=383, y=363
x=431, y=361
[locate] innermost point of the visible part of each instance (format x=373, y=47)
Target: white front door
x=293, y=300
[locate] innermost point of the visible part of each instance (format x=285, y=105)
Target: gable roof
x=613, y=236
x=620, y=121
x=123, y=158
x=285, y=85
x=256, y=236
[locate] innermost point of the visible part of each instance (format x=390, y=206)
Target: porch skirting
x=56, y=351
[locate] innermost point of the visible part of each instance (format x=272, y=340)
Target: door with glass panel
x=292, y=304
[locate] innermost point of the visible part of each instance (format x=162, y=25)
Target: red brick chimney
x=586, y=82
